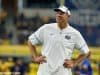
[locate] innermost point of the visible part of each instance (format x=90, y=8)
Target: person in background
x=84, y=68
x=18, y=68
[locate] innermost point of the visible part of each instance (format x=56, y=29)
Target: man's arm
x=81, y=57
x=83, y=48
x=32, y=50
x=36, y=58
x=72, y=63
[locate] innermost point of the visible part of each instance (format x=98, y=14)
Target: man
x=58, y=40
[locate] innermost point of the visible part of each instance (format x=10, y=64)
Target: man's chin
x=59, y=21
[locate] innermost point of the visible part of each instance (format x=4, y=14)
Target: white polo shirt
x=58, y=45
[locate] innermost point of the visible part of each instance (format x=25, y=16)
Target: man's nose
x=58, y=15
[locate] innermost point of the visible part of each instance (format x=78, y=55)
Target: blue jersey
x=89, y=71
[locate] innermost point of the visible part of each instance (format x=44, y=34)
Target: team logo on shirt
x=51, y=34
x=68, y=37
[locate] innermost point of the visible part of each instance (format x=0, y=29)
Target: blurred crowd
x=24, y=26
x=18, y=66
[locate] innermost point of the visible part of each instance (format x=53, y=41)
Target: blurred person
x=23, y=32
x=4, y=68
x=37, y=21
x=10, y=62
x=32, y=26
x=2, y=65
x=7, y=65
x=59, y=41
x=1, y=62
x=32, y=68
x=86, y=68
x=18, y=68
x=76, y=70
x=2, y=26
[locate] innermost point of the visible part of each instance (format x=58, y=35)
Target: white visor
x=63, y=9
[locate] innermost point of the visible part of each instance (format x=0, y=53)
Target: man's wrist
x=75, y=62
x=34, y=57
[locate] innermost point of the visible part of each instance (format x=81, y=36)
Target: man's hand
x=69, y=63
x=39, y=59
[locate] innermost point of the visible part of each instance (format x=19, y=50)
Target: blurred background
x=20, y=18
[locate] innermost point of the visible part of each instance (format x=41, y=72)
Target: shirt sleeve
x=81, y=44
x=36, y=37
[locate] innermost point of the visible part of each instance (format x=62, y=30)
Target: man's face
x=61, y=17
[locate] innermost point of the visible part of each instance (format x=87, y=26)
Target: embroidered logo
x=68, y=37
x=51, y=34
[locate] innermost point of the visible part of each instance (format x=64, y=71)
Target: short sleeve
x=81, y=44
x=36, y=37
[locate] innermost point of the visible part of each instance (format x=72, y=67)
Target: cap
x=63, y=9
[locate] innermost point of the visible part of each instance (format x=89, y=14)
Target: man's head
x=62, y=14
